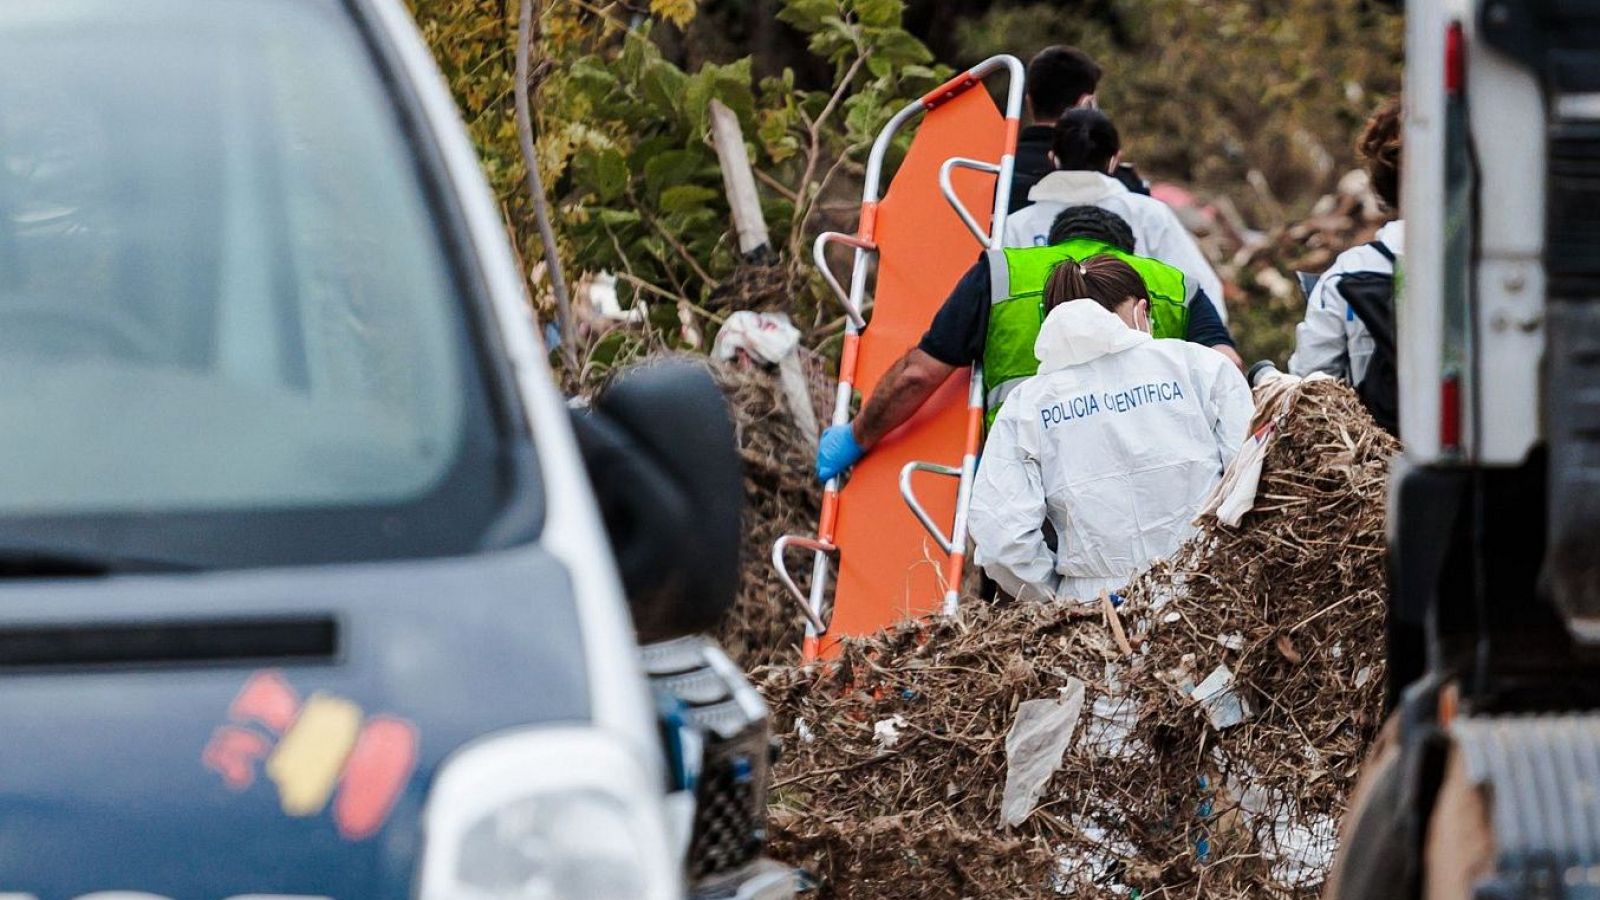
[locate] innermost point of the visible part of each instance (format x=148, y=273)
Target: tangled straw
x=1150, y=796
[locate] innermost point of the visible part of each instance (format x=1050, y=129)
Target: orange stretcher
x=923, y=236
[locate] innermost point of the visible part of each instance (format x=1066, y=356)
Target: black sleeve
x=1205, y=326
x=956, y=336
x=1131, y=179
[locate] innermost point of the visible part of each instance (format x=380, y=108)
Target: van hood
x=1080, y=331
x=266, y=732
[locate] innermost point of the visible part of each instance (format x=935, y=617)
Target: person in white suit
x=1115, y=442
x=1086, y=149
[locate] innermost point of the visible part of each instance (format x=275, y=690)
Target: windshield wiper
x=43, y=560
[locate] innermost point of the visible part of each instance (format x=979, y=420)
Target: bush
x=1207, y=91
x=623, y=142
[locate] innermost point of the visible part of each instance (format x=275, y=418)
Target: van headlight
x=547, y=814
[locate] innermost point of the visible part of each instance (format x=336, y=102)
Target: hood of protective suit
x=1157, y=232
x=1080, y=331
x=1393, y=236
x=1077, y=187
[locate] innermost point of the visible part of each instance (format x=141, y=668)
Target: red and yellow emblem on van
x=313, y=748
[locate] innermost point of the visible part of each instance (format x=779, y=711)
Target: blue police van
x=308, y=587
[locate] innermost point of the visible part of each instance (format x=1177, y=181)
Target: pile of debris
x=778, y=448
x=1198, y=739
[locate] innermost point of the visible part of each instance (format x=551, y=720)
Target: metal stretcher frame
x=953, y=543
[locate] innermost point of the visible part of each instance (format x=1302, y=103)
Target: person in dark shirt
x=956, y=339
x=1059, y=78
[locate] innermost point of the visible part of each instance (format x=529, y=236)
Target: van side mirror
x=659, y=447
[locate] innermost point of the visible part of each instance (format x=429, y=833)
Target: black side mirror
x=659, y=447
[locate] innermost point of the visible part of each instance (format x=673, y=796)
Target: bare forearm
x=904, y=388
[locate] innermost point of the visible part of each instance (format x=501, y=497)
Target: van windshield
x=231, y=332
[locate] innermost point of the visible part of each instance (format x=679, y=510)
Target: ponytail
x=1106, y=280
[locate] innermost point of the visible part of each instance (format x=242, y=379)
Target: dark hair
x=1380, y=146
x=1057, y=77
x=1093, y=223
x=1106, y=280
x=1085, y=139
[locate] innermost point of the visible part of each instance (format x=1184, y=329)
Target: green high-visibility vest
x=1017, y=277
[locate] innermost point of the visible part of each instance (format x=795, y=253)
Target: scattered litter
x=1034, y=747
x=769, y=337
x=1299, y=845
x=1100, y=863
x=1223, y=705
x=1159, y=598
x=886, y=732
x=602, y=293
x=1112, y=720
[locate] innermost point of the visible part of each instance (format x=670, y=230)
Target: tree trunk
x=541, y=206
x=739, y=182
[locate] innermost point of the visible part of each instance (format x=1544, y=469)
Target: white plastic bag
x=1223, y=704
x=886, y=732
x=771, y=338
x=1112, y=719
x=1235, y=494
x=1034, y=748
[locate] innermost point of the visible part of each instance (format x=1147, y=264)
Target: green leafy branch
x=623, y=143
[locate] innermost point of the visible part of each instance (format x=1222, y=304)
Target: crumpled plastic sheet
x=1300, y=846
x=1034, y=747
x=771, y=338
x=1235, y=494
x=1223, y=705
x=1099, y=866
x=1112, y=720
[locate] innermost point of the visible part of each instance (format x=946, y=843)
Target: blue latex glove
x=837, y=451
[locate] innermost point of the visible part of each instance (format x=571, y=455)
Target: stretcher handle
x=819, y=255
x=949, y=191
x=780, y=548
x=961, y=82
x=908, y=494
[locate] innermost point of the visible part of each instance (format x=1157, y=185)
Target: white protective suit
x=1157, y=232
x=1333, y=339
x=1116, y=441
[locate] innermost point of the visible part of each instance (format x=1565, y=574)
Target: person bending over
x=1115, y=443
x=976, y=326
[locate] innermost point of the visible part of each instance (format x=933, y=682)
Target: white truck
x=1488, y=782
